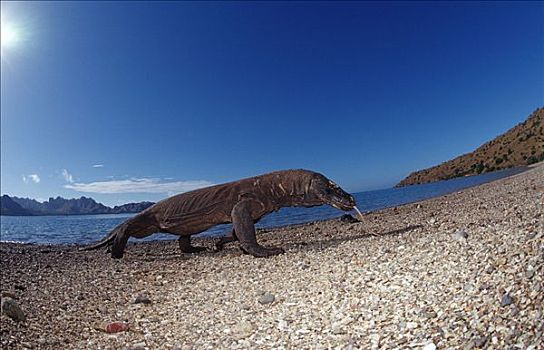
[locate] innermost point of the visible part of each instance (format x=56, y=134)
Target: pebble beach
x=461, y=271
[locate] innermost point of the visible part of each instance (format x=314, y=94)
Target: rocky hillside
x=521, y=145
x=10, y=207
x=61, y=206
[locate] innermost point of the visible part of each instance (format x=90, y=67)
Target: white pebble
x=429, y=346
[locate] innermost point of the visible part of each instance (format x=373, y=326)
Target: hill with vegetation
x=521, y=145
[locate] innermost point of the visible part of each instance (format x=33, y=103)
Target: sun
x=12, y=36
x=9, y=35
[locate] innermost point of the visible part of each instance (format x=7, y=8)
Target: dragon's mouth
x=341, y=203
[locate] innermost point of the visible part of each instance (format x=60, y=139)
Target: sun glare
x=12, y=36
x=9, y=35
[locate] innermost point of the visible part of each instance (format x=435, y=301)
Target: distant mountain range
x=521, y=145
x=59, y=206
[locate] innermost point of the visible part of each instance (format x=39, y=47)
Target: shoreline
x=516, y=171
x=461, y=270
x=521, y=169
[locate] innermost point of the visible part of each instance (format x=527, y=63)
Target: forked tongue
x=359, y=213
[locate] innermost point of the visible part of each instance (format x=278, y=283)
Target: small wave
x=14, y=242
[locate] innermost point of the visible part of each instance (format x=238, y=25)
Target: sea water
x=90, y=228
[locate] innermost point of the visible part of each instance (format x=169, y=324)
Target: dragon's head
x=330, y=193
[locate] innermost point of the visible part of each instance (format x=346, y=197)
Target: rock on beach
x=409, y=284
x=11, y=309
x=267, y=298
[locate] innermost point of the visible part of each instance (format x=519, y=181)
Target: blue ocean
x=90, y=228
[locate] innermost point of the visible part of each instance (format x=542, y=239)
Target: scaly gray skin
x=242, y=203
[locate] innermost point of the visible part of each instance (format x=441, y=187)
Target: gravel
x=397, y=280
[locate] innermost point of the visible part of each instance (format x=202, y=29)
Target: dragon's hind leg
x=139, y=226
x=118, y=247
x=186, y=247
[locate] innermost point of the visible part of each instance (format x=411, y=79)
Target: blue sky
x=135, y=101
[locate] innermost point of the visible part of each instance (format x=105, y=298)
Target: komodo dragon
x=242, y=203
